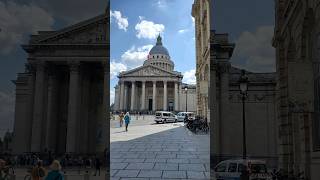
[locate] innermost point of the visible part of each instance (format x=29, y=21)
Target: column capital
x=74, y=66
x=40, y=65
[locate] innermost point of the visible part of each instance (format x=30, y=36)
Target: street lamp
x=243, y=85
x=186, y=90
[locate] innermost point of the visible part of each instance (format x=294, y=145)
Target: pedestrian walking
x=97, y=166
x=127, y=119
x=55, y=173
x=121, y=115
x=38, y=172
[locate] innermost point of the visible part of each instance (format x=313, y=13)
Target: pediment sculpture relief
x=87, y=35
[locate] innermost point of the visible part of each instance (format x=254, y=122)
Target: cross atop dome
x=159, y=40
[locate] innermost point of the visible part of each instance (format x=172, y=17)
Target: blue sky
x=248, y=22
x=135, y=25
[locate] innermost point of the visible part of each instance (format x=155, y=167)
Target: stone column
x=121, y=95
x=38, y=114
x=72, y=108
x=51, y=111
x=143, y=96
x=133, y=88
x=165, y=96
x=154, y=95
x=125, y=97
x=224, y=106
x=176, y=96
x=103, y=123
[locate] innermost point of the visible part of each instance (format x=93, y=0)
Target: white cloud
x=193, y=20
x=6, y=112
x=135, y=56
x=116, y=68
x=189, y=77
x=18, y=20
x=148, y=29
x=181, y=31
x=72, y=11
x=256, y=49
x=161, y=4
x=120, y=20
x=112, y=95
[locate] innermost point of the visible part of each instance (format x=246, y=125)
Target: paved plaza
x=157, y=151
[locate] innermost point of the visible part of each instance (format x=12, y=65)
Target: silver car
x=164, y=117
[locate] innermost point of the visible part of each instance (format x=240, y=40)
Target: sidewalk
x=159, y=151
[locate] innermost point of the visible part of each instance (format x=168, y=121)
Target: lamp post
x=186, y=90
x=243, y=86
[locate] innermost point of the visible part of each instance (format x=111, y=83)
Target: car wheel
x=157, y=122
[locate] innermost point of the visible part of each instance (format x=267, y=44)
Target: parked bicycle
x=198, y=125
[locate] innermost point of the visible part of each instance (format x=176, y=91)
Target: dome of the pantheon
x=158, y=48
x=159, y=56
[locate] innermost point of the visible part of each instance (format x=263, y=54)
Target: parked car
x=181, y=115
x=164, y=117
x=232, y=169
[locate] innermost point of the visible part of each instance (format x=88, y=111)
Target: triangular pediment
x=92, y=31
x=148, y=70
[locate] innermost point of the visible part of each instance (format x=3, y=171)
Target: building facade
x=201, y=15
x=61, y=98
x=154, y=86
x=297, y=43
x=226, y=108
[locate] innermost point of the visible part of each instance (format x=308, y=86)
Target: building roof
x=158, y=48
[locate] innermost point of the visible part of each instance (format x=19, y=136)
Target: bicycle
x=8, y=172
x=28, y=176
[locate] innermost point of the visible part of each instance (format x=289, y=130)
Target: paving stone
x=127, y=173
x=140, y=166
x=192, y=167
x=150, y=173
x=168, y=156
x=118, y=165
x=116, y=160
x=195, y=175
x=207, y=174
x=178, y=161
x=166, y=166
x=156, y=160
x=186, y=156
x=134, y=160
x=131, y=156
x=113, y=172
x=174, y=174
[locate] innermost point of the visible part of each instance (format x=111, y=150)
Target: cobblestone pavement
x=158, y=151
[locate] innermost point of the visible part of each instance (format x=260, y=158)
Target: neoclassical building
x=201, y=14
x=297, y=43
x=154, y=85
x=62, y=97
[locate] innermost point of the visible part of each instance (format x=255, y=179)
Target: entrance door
x=170, y=106
x=150, y=105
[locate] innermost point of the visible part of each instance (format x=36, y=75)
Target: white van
x=232, y=169
x=164, y=117
x=181, y=115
